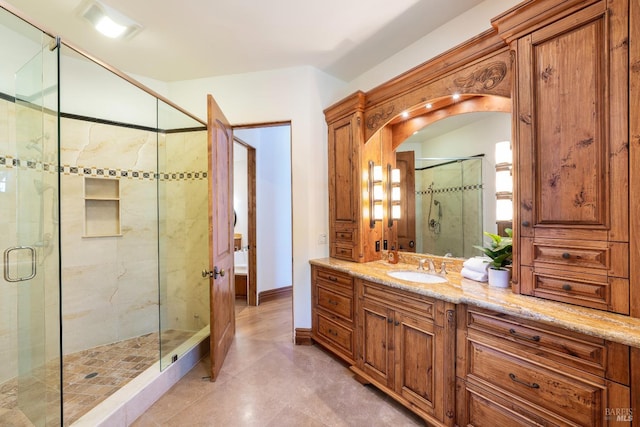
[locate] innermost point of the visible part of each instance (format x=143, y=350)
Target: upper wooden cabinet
x=572, y=154
x=350, y=235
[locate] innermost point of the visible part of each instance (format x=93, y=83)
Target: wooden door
x=221, y=295
x=377, y=342
x=405, y=161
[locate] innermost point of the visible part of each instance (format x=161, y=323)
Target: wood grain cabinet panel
x=407, y=349
x=333, y=309
x=520, y=372
x=571, y=122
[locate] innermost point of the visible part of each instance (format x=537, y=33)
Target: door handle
x=215, y=273
x=7, y=273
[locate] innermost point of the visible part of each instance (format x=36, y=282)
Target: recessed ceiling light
x=405, y=114
x=108, y=21
x=428, y=105
x=456, y=96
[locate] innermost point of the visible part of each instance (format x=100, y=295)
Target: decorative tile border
x=451, y=189
x=10, y=162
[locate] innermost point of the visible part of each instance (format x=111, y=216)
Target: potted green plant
x=500, y=250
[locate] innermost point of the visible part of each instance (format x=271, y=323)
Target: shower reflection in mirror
x=449, y=204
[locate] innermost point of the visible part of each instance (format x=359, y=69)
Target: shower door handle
x=7, y=260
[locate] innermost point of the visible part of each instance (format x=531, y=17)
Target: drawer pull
x=517, y=335
x=397, y=323
x=525, y=223
x=566, y=255
x=333, y=302
x=566, y=287
x=389, y=320
x=332, y=332
x=519, y=381
x=332, y=278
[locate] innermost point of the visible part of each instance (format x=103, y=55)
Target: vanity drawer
x=335, y=303
x=344, y=236
x=596, y=257
x=398, y=299
x=579, y=402
x=334, y=278
x=335, y=333
x=587, y=290
x=343, y=252
x=585, y=352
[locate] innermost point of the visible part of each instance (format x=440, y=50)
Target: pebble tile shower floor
x=90, y=376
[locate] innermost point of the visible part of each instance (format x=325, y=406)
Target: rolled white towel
x=474, y=275
x=479, y=264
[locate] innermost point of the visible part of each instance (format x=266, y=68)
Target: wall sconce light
x=393, y=192
x=376, y=194
x=379, y=191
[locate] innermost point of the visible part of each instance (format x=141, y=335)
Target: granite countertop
x=459, y=290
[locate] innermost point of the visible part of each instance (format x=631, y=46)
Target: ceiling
x=183, y=40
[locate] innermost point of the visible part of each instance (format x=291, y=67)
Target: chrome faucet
x=432, y=268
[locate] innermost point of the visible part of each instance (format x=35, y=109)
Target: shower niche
x=101, y=207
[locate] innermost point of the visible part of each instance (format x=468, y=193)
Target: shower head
x=34, y=143
x=41, y=187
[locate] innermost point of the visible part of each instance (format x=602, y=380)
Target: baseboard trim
x=303, y=336
x=277, y=293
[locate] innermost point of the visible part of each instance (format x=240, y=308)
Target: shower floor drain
x=91, y=375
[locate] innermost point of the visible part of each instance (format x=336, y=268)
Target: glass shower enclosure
x=103, y=227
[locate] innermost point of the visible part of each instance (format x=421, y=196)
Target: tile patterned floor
x=92, y=375
x=268, y=381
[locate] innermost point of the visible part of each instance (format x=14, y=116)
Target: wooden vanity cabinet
x=406, y=348
x=518, y=372
x=571, y=152
x=333, y=312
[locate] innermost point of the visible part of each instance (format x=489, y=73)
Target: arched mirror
x=454, y=185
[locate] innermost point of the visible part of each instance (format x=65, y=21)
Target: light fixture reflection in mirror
x=393, y=193
x=376, y=194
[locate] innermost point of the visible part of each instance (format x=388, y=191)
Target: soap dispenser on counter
x=392, y=256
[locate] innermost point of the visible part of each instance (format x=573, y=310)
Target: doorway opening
x=262, y=199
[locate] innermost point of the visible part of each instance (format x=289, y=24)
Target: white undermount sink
x=416, y=276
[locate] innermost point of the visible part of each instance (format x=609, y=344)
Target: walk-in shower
x=103, y=229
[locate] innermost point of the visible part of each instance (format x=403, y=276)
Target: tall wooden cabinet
x=571, y=165
x=345, y=198
x=351, y=236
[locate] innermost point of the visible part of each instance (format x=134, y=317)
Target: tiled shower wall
x=110, y=287
x=110, y=284
x=458, y=189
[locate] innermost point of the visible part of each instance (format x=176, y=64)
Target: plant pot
x=499, y=278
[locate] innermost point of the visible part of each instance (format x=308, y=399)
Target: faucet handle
x=443, y=268
x=421, y=264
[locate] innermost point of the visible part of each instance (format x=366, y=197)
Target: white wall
x=273, y=204
x=300, y=95
x=297, y=95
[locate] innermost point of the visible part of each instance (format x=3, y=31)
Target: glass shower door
x=30, y=246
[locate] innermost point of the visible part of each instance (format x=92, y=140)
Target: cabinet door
x=572, y=127
x=377, y=342
x=344, y=187
x=418, y=357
